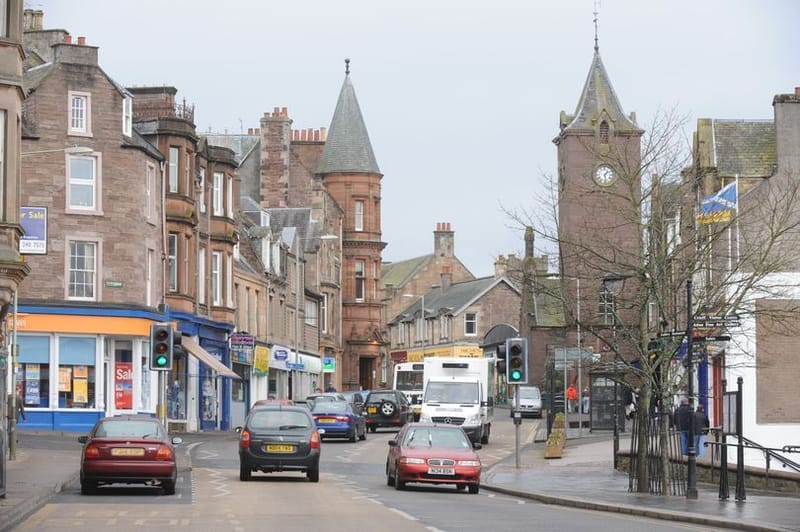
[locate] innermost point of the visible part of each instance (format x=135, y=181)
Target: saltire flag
x=720, y=206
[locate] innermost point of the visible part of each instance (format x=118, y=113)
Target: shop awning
x=194, y=349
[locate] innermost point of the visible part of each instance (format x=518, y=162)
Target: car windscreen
x=377, y=397
x=279, y=419
x=529, y=393
x=124, y=428
x=435, y=437
x=331, y=407
x=452, y=392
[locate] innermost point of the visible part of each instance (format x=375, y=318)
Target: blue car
x=339, y=420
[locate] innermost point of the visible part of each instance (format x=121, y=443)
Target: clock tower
x=598, y=187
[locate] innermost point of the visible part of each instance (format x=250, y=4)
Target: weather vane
x=596, y=8
x=347, y=66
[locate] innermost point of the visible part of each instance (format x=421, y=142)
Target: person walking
x=701, y=426
x=683, y=416
x=572, y=398
x=17, y=410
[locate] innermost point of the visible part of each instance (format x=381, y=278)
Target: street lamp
x=423, y=329
x=613, y=283
x=297, y=323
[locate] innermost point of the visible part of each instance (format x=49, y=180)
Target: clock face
x=604, y=175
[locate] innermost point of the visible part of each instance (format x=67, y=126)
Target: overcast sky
x=461, y=98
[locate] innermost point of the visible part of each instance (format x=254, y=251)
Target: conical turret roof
x=598, y=100
x=347, y=148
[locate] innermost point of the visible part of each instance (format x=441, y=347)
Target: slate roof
x=454, y=300
x=295, y=222
x=744, y=147
x=397, y=274
x=347, y=148
x=598, y=96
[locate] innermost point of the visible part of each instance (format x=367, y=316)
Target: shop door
x=209, y=403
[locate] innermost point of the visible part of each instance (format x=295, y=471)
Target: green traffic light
x=161, y=361
x=516, y=375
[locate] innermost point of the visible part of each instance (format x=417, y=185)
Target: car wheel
x=244, y=473
x=363, y=434
x=388, y=409
x=399, y=484
x=485, y=436
x=88, y=488
x=313, y=474
x=389, y=477
x=473, y=488
x=169, y=487
x=373, y=428
x=352, y=436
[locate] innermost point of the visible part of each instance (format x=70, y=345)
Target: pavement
x=583, y=478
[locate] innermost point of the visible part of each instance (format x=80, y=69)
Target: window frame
x=470, y=318
x=94, y=271
x=218, y=208
x=172, y=262
x=360, y=280
x=84, y=128
x=201, y=190
x=173, y=162
x=358, y=216
x=127, y=116
x=93, y=182
x=216, y=278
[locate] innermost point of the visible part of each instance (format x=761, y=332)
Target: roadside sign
x=728, y=320
x=671, y=334
x=720, y=338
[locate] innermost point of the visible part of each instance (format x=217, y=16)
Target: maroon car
x=433, y=454
x=128, y=450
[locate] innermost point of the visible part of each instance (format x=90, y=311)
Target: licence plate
x=279, y=448
x=326, y=420
x=127, y=451
x=441, y=471
x=372, y=409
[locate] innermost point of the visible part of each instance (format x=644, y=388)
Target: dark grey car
x=279, y=438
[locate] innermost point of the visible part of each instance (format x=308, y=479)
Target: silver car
x=530, y=401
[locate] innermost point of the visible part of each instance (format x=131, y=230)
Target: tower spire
x=596, y=45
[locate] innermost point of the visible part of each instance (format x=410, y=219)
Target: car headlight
x=409, y=460
x=473, y=463
x=473, y=420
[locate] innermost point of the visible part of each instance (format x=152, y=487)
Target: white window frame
x=217, y=192
x=361, y=280
x=3, y=157
x=172, y=171
x=4, y=18
x=229, y=198
x=79, y=119
x=150, y=255
x=91, y=182
x=312, y=309
x=358, y=213
x=470, y=318
x=187, y=247
x=228, y=276
x=127, y=116
x=172, y=262
x=444, y=327
x=89, y=269
x=216, y=278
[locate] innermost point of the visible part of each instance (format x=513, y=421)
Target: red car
x=128, y=450
x=433, y=454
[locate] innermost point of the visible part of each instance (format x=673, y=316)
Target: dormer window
x=127, y=116
x=80, y=118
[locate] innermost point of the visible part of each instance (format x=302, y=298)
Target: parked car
x=128, y=449
x=339, y=420
x=530, y=401
x=387, y=408
x=279, y=438
x=262, y=402
x=355, y=398
x=433, y=454
x=323, y=396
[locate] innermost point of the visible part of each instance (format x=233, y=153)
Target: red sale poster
x=123, y=385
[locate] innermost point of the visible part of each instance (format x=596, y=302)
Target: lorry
x=408, y=379
x=459, y=391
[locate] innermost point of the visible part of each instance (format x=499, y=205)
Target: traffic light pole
x=517, y=426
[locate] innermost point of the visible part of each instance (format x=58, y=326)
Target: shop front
x=82, y=365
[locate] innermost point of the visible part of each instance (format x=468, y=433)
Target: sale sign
x=123, y=385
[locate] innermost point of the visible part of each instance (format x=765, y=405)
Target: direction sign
x=729, y=320
x=671, y=334
x=723, y=338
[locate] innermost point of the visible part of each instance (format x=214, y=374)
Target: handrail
x=769, y=452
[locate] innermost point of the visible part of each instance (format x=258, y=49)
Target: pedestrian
x=701, y=426
x=683, y=416
x=572, y=398
x=16, y=410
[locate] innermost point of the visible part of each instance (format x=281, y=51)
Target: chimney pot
x=68, y=39
x=797, y=91
x=82, y=41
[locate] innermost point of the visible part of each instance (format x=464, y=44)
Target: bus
x=408, y=379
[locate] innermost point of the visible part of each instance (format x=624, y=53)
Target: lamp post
x=613, y=284
x=300, y=284
x=691, y=462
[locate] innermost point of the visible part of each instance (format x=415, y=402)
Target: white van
x=530, y=401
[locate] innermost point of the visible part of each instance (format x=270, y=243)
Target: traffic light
x=161, y=346
x=517, y=361
x=501, y=358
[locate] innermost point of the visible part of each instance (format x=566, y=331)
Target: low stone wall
x=774, y=481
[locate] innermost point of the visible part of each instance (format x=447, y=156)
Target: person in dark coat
x=683, y=417
x=701, y=426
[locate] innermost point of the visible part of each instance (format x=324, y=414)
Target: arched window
x=603, y=132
